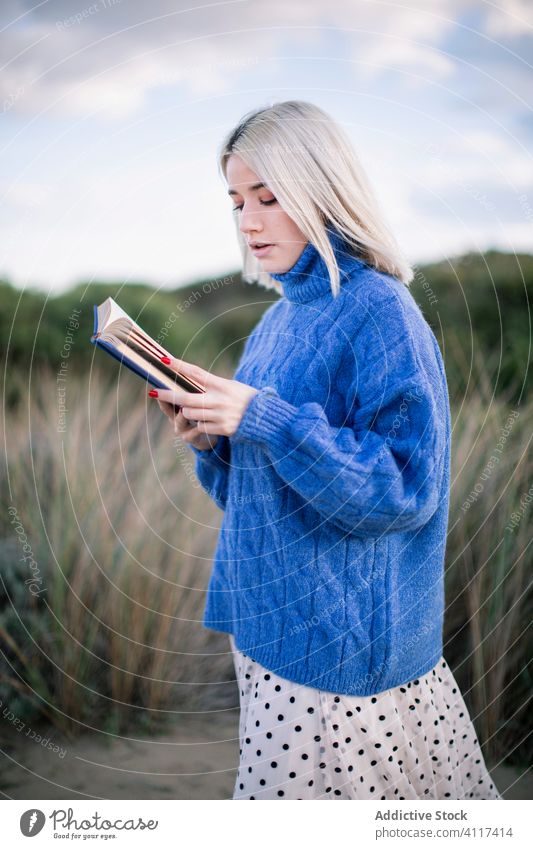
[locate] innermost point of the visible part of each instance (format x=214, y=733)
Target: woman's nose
x=250, y=222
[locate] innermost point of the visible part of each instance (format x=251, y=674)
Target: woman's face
x=262, y=220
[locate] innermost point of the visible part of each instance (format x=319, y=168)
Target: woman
x=329, y=453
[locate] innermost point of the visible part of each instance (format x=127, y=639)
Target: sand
x=196, y=760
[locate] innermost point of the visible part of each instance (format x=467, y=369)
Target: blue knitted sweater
x=329, y=566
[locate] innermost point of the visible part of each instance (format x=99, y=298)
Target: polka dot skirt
x=411, y=742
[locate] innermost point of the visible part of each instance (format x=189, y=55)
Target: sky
x=112, y=113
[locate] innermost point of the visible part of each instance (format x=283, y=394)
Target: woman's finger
x=199, y=413
x=193, y=433
x=184, y=423
x=168, y=409
x=187, y=399
x=199, y=375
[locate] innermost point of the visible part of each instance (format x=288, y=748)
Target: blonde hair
x=309, y=164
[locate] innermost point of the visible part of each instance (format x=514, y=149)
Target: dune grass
x=489, y=558
x=122, y=535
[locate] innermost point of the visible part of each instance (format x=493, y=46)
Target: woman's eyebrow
x=255, y=186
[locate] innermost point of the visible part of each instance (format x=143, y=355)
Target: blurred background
x=111, y=116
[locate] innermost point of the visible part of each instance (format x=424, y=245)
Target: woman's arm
x=212, y=469
x=382, y=472
x=213, y=464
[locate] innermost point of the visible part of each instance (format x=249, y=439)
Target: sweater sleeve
x=212, y=465
x=380, y=473
x=212, y=468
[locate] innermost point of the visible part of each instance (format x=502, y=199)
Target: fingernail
x=166, y=360
x=153, y=393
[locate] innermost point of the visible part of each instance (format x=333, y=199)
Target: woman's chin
x=272, y=267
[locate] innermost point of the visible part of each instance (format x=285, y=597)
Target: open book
x=115, y=332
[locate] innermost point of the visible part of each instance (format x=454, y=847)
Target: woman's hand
x=186, y=429
x=204, y=415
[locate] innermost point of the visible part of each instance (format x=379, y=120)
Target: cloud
x=27, y=195
x=106, y=56
x=107, y=195
x=510, y=18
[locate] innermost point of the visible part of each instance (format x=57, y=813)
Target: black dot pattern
x=416, y=741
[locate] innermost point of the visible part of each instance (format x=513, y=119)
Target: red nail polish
x=153, y=393
x=166, y=360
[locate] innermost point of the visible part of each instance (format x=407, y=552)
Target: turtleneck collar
x=308, y=278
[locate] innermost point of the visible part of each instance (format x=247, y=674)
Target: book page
x=130, y=339
x=165, y=375
x=113, y=312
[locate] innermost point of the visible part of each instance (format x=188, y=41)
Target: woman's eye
x=262, y=202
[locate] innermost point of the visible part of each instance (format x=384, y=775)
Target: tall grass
x=124, y=538
x=489, y=558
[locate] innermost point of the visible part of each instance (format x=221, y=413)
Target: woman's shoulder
x=371, y=287
x=375, y=296
x=383, y=316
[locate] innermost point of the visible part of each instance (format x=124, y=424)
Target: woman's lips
x=261, y=251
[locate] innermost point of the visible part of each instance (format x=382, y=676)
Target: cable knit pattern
x=329, y=566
